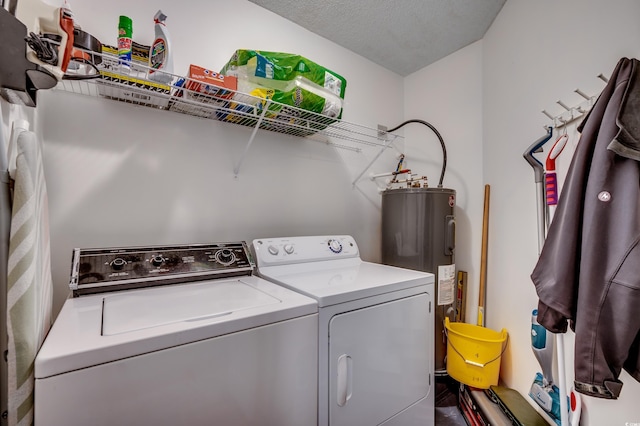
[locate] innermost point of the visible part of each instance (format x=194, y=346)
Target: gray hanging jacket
x=589, y=269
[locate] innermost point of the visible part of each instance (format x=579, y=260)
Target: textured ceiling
x=402, y=35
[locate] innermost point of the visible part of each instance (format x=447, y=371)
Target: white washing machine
x=203, y=342
x=375, y=329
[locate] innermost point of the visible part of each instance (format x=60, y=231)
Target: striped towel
x=29, y=288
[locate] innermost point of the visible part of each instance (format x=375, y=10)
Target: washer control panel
x=281, y=251
x=98, y=270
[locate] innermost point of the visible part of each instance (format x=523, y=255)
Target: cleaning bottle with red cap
x=160, y=56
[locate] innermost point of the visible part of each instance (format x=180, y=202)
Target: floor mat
x=446, y=402
x=449, y=416
x=446, y=392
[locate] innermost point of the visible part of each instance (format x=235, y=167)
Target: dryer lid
x=344, y=280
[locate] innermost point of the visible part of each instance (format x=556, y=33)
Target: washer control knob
x=288, y=248
x=273, y=250
x=157, y=260
x=225, y=257
x=118, y=263
x=335, y=246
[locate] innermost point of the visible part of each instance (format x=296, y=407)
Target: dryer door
x=380, y=358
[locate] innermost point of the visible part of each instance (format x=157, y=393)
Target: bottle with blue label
x=160, y=55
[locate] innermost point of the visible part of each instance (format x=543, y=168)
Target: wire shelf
x=131, y=85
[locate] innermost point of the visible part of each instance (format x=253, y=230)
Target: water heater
x=418, y=232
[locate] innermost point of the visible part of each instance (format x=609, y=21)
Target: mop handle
x=538, y=171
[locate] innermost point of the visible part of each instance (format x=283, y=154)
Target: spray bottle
x=125, y=35
x=160, y=56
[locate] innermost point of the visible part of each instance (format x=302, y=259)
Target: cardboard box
x=210, y=83
x=203, y=86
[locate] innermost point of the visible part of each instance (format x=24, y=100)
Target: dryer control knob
x=273, y=250
x=288, y=248
x=157, y=260
x=335, y=246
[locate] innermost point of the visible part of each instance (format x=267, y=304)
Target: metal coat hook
x=551, y=117
x=603, y=78
x=584, y=95
x=561, y=118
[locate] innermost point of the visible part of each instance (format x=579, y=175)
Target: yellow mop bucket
x=473, y=353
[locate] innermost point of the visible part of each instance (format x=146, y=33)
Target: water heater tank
x=418, y=232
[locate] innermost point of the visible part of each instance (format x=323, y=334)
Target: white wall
x=124, y=175
x=534, y=54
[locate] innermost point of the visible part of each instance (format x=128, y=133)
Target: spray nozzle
x=159, y=17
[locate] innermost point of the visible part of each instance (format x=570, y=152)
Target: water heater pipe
x=444, y=149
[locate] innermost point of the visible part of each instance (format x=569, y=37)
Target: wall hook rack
x=572, y=113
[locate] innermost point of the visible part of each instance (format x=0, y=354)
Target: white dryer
x=375, y=329
x=203, y=342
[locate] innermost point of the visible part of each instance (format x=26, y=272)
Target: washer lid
x=123, y=313
x=344, y=280
x=101, y=328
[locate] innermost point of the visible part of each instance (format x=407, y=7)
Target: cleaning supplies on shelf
x=131, y=86
x=128, y=78
x=160, y=56
x=206, y=85
x=288, y=79
x=298, y=93
x=277, y=66
x=202, y=86
x=125, y=41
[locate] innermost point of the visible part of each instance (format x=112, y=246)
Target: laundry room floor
x=447, y=411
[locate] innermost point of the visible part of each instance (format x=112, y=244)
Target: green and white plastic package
x=288, y=79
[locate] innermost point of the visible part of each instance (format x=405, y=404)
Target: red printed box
x=203, y=92
x=210, y=82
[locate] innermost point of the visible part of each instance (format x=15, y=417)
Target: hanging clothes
x=29, y=292
x=589, y=269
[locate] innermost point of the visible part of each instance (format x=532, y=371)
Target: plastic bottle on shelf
x=160, y=58
x=125, y=34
